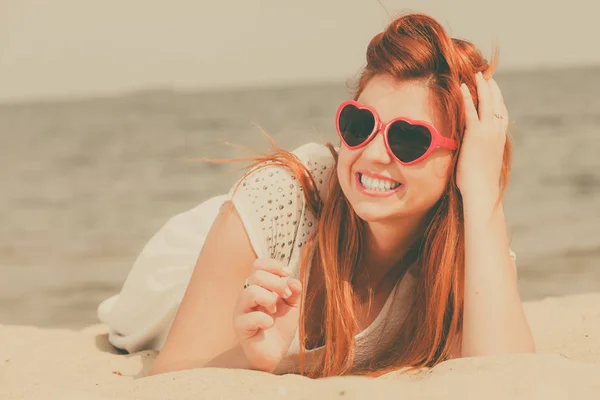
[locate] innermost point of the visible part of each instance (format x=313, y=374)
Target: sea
x=86, y=182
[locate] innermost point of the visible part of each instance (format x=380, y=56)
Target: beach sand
x=41, y=363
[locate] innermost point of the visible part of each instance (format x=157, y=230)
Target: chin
x=373, y=212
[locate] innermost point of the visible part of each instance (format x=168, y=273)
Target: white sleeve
x=270, y=202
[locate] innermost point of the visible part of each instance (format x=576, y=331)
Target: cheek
x=441, y=168
x=344, y=165
x=432, y=178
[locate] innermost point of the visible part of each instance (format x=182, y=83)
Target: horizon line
x=99, y=95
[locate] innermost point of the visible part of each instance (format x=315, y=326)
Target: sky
x=66, y=48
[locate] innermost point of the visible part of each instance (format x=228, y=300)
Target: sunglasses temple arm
x=447, y=143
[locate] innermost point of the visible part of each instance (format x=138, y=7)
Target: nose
x=376, y=150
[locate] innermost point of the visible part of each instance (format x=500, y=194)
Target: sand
x=38, y=363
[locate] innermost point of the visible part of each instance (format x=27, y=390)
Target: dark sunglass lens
x=355, y=125
x=409, y=142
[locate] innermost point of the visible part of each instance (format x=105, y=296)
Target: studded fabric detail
x=271, y=204
x=270, y=213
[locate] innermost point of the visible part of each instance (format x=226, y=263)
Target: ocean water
x=85, y=183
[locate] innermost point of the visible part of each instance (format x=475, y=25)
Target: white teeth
x=377, y=184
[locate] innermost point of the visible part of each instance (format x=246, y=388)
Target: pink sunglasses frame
x=437, y=140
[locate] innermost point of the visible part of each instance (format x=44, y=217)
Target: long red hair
x=412, y=47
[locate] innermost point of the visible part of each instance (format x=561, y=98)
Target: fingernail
x=294, y=282
x=287, y=270
x=463, y=87
x=288, y=292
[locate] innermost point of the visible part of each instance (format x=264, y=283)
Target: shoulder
x=314, y=153
x=319, y=161
x=270, y=178
x=316, y=158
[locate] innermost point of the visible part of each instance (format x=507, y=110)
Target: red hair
x=412, y=47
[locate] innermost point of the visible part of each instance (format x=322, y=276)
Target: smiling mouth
x=377, y=185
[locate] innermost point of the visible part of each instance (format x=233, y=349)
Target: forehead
x=392, y=98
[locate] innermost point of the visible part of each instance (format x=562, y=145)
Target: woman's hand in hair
x=482, y=151
x=267, y=313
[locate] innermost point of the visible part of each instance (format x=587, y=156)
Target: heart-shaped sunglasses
x=409, y=141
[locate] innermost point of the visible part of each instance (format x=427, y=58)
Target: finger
x=248, y=324
x=270, y=282
x=497, y=100
x=470, y=112
x=272, y=266
x=296, y=287
x=500, y=111
x=485, y=101
x=506, y=117
x=498, y=103
x=255, y=296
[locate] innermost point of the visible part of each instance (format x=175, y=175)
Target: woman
x=391, y=252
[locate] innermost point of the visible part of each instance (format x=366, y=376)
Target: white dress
x=272, y=208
